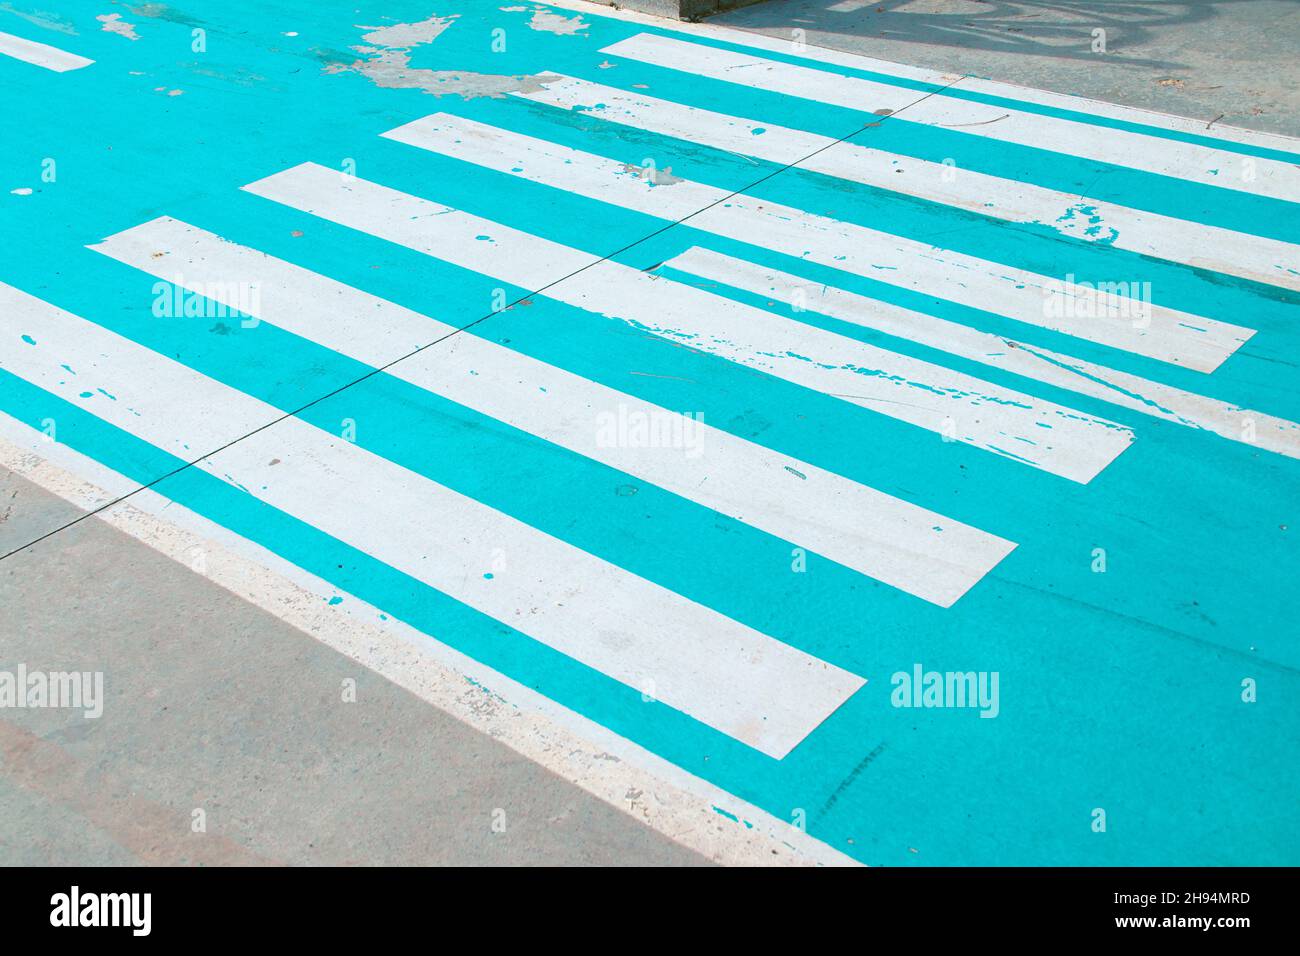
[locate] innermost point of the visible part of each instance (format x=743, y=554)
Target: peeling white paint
x=386, y=62
x=659, y=177
x=391, y=69
x=407, y=35
x=545, y=21
x=113, y=23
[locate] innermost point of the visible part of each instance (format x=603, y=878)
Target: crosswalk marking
x=741, y=682
x=1117, y=321
x=1086, y=378
x=1000, y=420
x=1199, y=245
x=682, y=281
x=1165, y=157
x=911, y=548
x=41, y=54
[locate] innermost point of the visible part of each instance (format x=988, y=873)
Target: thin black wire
x=463, y=328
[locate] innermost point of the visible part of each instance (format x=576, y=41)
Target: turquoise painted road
x=916, y=438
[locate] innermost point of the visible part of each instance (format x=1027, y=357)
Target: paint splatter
x=1084, y=221
x=655, y=176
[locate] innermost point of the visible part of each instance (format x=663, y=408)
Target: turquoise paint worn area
x=1119, y=690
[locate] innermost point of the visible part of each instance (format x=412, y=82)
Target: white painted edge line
x=41, y=54
x=687, y=809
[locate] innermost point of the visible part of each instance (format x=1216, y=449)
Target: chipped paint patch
x=1083, y=220
x=391, y=69
x=547, y=21
x=407, y=35
x=21, y=191
x=113, y=23
x=386, y=62
x=652, y=174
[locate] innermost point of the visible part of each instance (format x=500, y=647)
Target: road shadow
x=1054, y=28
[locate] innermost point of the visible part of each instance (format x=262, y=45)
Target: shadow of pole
x=1054, y=28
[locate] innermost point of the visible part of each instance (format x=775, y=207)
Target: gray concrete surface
x=1212, y=59
x=214, y=704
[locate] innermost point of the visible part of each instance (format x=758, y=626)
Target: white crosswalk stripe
x=1187, y=161
x=744, y=683
x=1120, y=321
x=911, y=548
x=1194, y=244
x=1003, y=421
x=1043, y=365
